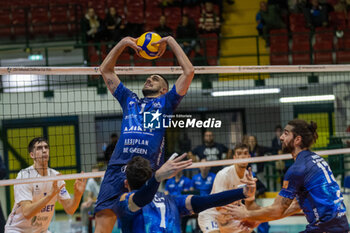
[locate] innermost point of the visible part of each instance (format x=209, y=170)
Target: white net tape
x=175, y=70
x=194, y=165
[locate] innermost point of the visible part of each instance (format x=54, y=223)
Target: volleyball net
x=71, y=107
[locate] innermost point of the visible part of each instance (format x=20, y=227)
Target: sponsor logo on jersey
x=285, y=184
x=151, y=120
x=157, y=105
x=48, y=208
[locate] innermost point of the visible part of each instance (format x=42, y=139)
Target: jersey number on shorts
x=324, y=166
x=161, y=207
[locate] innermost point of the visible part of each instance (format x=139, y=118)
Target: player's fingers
x=61, y=187
x=181, y=163
x=173, y=156
x=250, y=173
x=181, y=157
x=184, y=165
x=54, y=184
x=162, y=52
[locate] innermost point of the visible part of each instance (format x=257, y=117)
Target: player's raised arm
x=146, y=194
x=273, y=212
x=183, y=82
x=107, y=67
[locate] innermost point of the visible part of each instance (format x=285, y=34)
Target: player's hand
x=250, y=181
x=246, y=225
x=131, y=42
x=237, y=212
x=162, y=45
x=172, y=167
x=55, y=189
x=79, y=186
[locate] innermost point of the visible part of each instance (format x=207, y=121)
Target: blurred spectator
x=3, y=174
x=316, y=15
x=110, y=148
x=177, y=184
x=281, y=4
x=163, y=30
x=276, y=142
x=203, y=181
x=114, y=26
x=91, y=27
x=209, y=20
x=245, y=139
x=211, y=150
x=297, y=6
x=91, y=192
x=186, y=33
x=342, y=6
x=268, y=18
x=256, y=150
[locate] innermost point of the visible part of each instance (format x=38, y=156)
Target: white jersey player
x=35, y=203
x=213, y=220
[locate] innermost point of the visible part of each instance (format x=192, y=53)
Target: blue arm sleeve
x=200, y=203
x=146, y=194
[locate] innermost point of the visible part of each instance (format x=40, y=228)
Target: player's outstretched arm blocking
x=146, y=193
x=107, y=67
x=273, y=212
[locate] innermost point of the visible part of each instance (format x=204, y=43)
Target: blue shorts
x=111, y=188
x=335, y=225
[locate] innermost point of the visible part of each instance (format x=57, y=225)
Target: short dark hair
x=114, y=135
x=306, y=131
x=34, y=141
x=240, y=146
x=165, y=80
x=138, y=171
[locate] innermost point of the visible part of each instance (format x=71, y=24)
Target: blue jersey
x=203, y=185
x=137, y=136
x=162, y=215
x=311, y=181
x=175, y=188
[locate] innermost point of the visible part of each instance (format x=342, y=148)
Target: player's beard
x=149, y=92
x=288, y=148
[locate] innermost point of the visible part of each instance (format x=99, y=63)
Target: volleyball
x=145, y=41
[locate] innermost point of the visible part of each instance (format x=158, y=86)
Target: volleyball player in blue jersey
x=144, y=210
x=309, y=182
x=142, y=133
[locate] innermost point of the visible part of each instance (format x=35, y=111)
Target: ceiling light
x=246, y=92
x=307, y=98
